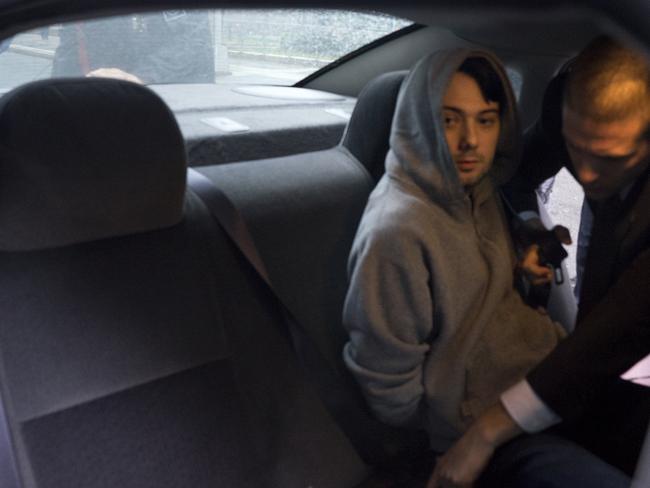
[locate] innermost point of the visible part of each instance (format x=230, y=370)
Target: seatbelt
x=347, y=412
x=230, y=219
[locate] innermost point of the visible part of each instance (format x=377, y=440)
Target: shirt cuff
x=527, y=409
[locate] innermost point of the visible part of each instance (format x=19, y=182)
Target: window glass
x=193, y=46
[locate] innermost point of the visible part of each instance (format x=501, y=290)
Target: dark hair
x=488, y=80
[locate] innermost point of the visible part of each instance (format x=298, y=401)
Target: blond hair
x=608, y=81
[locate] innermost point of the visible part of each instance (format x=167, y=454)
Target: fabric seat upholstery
x=137, y=347
x=303, y=211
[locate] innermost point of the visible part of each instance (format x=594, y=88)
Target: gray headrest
x=368, y=131
x=86, y=159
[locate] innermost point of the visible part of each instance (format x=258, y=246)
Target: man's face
x=607, y=156
x=471, y=128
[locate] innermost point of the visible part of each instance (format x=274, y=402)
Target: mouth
x=467, y=164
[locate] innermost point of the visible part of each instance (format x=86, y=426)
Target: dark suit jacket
x=613, y=328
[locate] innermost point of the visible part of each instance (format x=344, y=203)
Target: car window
x=277, y=47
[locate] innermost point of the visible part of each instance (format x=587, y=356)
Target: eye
x=488, y=121
x=450, y=120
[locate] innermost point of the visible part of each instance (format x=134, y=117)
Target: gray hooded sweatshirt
x=437, y=330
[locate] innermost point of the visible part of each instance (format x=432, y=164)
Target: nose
x=468, y=137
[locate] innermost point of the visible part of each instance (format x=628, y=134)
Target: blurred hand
x=536, y=273
x=533, y=234
x=115, y=73
x=464, y=462
x=461, y=465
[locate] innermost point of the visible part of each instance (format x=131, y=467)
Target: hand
x=461, y=465
x=115, y=73
x=531, y=262
x=464, y=462
x=536, y=273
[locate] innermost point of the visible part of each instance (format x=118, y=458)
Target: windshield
x=277, y=47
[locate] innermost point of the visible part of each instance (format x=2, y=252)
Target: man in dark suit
x=596, y=123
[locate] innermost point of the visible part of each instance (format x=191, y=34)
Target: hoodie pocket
x=515, y=340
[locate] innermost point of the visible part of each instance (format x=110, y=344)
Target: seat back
x=137, y=348
x=303, y=212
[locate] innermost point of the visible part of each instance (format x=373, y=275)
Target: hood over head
x=418, y=148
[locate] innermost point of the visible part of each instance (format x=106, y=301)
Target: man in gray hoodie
x=595, y=121
x=437, y=330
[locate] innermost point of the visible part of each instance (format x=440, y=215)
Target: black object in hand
x=551, y=253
